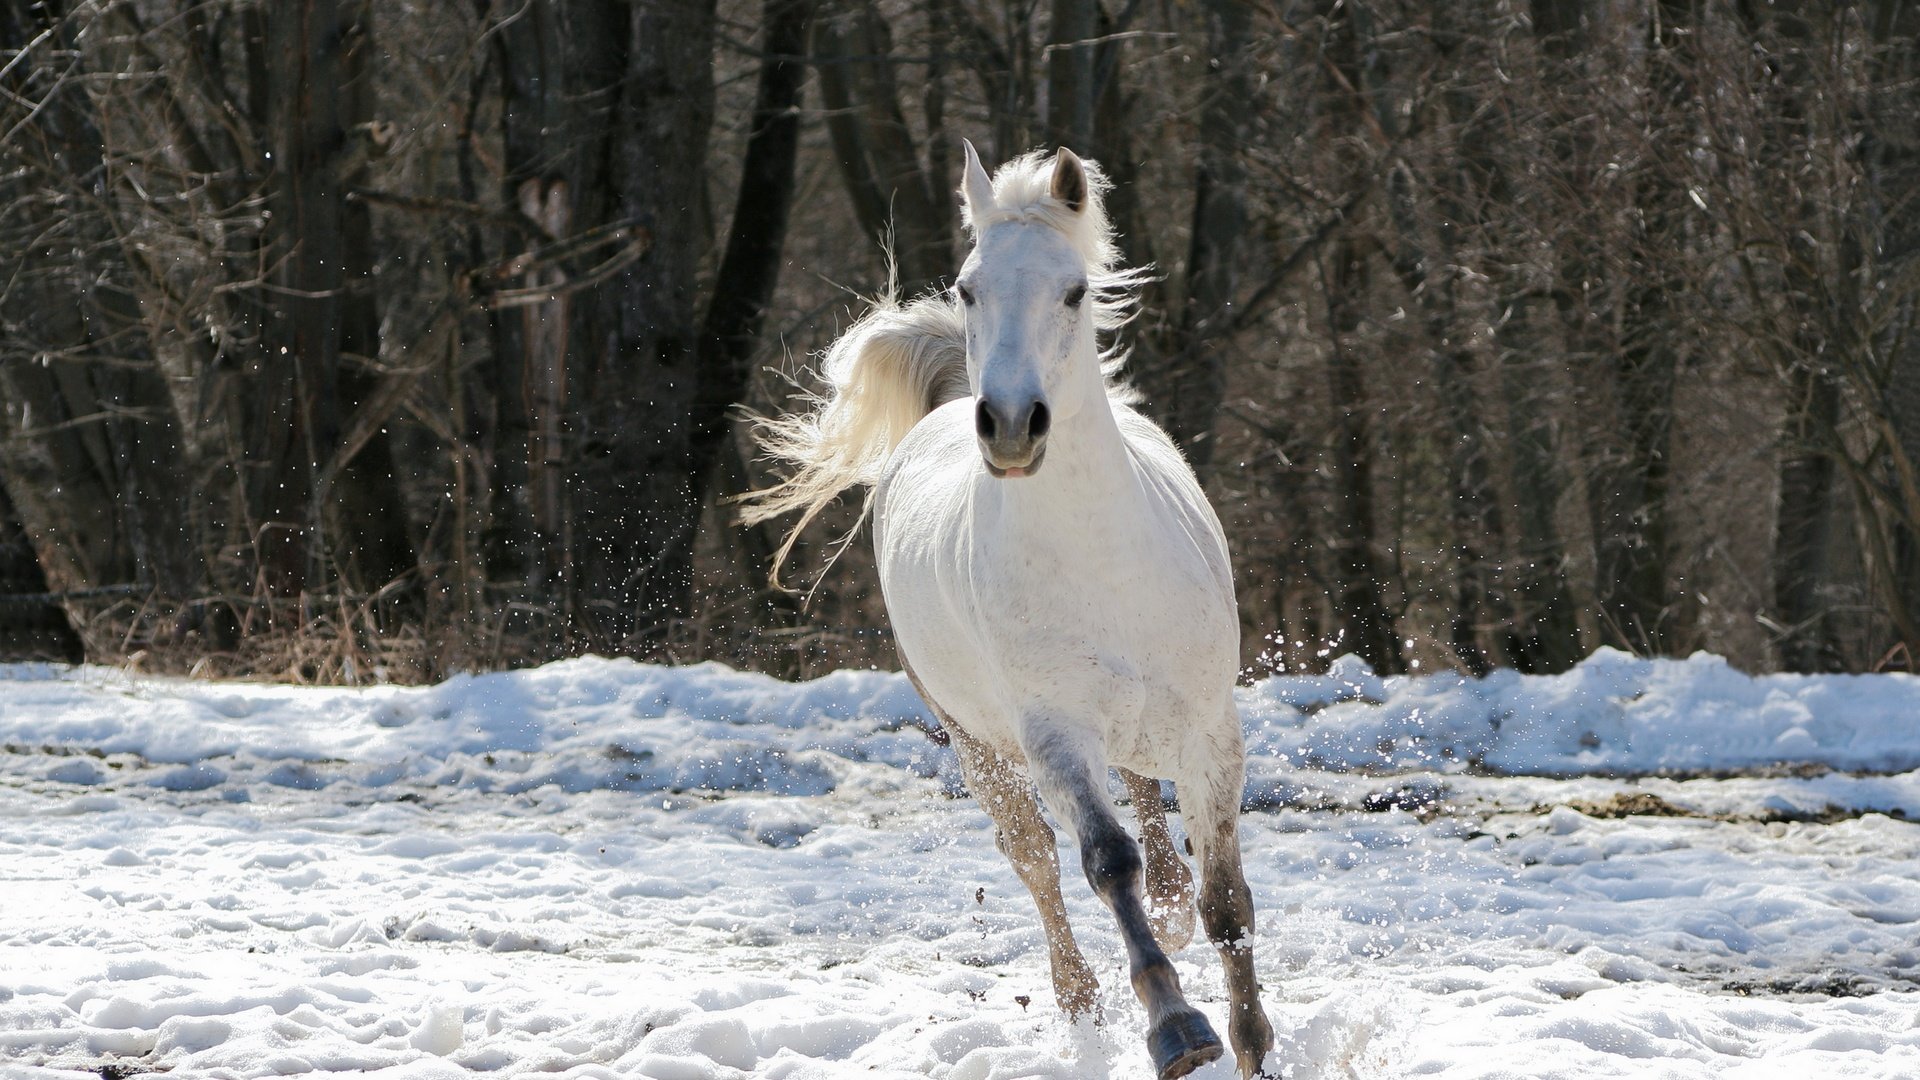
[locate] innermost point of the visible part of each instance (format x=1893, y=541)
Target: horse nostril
x=1038, y=421
x=983, y=419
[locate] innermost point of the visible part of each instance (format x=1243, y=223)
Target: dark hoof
x=1182, y=1042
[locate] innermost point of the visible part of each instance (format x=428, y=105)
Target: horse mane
x=899, y=362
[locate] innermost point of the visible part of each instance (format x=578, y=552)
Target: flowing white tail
x=890, y=369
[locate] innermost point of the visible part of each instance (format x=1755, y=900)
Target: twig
x=429, y=204
x=541, y=294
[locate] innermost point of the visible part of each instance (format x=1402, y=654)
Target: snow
x=1614, y=713
x=599, y=868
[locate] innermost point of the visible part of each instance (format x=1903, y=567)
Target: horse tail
x=890, y=369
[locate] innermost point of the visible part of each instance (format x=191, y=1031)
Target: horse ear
x=1069, y=180
x=974, y=185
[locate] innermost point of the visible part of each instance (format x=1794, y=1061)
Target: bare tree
x=902, y=206
x=338, y=337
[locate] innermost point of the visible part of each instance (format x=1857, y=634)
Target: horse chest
x=1002, y=613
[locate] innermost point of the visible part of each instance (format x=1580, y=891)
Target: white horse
x=1058, y=585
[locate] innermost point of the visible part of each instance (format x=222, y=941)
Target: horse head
x=1032, y=362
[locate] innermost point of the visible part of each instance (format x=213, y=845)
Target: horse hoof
x=1182, y=1042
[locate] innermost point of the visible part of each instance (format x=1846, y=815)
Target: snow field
x=605, y=869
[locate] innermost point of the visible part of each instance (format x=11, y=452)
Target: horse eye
x=965, y=296
x=1078, y=294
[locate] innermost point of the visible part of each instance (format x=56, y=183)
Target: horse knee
x=1112, y=863
x=1026, y=843
x=1226, y=910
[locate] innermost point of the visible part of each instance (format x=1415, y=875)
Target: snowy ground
x=604, y=869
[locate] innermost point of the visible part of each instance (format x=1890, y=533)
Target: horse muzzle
x=1013, y=440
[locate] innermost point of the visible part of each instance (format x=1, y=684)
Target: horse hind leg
x=1169, y=882
x=1179, y=1039
x=1211, y=807
x=1026, y=839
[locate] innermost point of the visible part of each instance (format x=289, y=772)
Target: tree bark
x=88, y=445
x=1071, y=90
x=1429, y=211
x=328, y=512
x=1811, y=442
x=893, y=196
x=1893, y=166
x=1360, y=620
x=1803, y=523
x=1192, y=382
x=1362, y=623
x=636, y=504
x=744, y=285
x=365, y=515
x=1543, y=636
x=1631, y=473
x=1621, y=334
x=31, y=628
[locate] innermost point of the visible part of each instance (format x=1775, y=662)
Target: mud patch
x=1646, y=804
x=121, y=1070
x=1630, y=804
x=1825, y=984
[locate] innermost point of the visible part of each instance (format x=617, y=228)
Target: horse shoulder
x=919, y=514
x=930, y=448
x=1165, y=472
x=929, y=463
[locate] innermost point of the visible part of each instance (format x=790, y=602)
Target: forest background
x=344, y=341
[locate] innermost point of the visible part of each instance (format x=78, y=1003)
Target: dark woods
x=343, y=340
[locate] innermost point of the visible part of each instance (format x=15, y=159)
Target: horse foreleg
x=1026, y=839
x=1169, y=882
x=1179, y=1039
x=1212, y=812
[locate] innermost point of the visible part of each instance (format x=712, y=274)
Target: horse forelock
x=1023, y=191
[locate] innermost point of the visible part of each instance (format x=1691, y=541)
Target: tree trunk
x=744, y=284
x=636, y=503
x=31, y=627
x=1811, y=442
x=1893, y=166
x=1630, y=475
x=1192, y=383
x=1362, y=624
x=1621, y=335
x=1803, y=523
x=607, y=111
x=1005, y=71
x=1071, y=86
x=560, y=65
x=1543, y=636
x=892, y=195
x=303, y=354
x=88, y=446
x=1428, y=211
x=332, y=511
x=360, y=476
